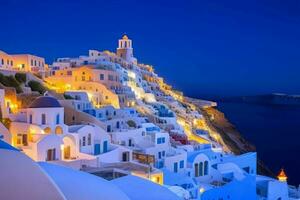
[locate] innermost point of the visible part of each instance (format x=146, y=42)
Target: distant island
x=267, y=99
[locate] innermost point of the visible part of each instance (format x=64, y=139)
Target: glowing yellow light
x=12, y=105
x=62, y=147
x=154, y=179
x=68, y=86
x=282, y=176
x=31, y=131
x=201, y=190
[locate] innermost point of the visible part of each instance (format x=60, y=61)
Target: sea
x=273, y=129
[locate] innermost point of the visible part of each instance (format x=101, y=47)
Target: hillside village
x=105, y=126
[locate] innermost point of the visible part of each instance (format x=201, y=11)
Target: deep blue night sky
x=201, y=47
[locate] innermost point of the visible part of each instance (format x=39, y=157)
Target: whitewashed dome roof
x=78, y=185
x=22, y=178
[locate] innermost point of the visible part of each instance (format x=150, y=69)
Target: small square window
x=181, y=164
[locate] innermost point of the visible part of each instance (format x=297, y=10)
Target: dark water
x=274, y=130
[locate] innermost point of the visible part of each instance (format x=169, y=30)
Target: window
x=58, y=130
x=176, y=167
x=57, y=119
x=83, y=78
x=43, y=118
x=130, y=142
x=110, y=77
x=206, y=168
x=201, y=169
x=158, y=140
x=196, y=169
x=181, y=164
x=2, y=61
x=105, y=146
x=89, y=139
x=30, y=119
x=108, y=129
x=101, y=76
x=31, y=62
x=159, y=155
x=83, y=141
x=163, y=153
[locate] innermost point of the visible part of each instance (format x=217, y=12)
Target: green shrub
x=21, y=77
x=37, y=86
x=10, y=81
x=131, y=123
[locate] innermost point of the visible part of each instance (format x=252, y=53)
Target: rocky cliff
x=231, y=137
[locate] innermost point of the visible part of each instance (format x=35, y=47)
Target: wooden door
x=67, y=152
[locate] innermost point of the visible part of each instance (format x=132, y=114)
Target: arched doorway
x=47, y=130
x=58, y=130
x=69, y=148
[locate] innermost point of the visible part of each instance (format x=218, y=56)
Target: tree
x=21, y=77
x=37, y=86
x=10, y=81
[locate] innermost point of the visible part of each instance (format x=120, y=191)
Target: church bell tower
x=125, y=49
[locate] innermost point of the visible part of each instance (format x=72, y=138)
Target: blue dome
x=45, y=102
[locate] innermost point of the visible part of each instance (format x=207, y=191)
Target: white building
x=149, y=140
x=41, y=133
x=22, y=62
